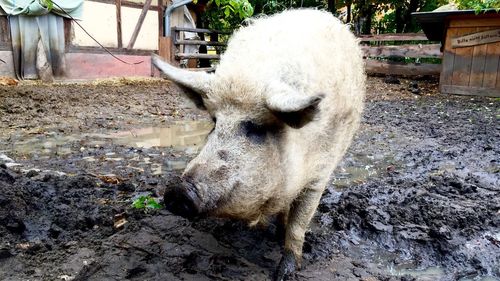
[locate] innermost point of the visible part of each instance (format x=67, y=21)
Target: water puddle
x=171, y=146
x=184, y=135
x=358, y=168
x=187, y=136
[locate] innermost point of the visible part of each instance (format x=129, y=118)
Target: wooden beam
x=4, y=29
x=139, y=24
x=125, y=3
x=196, y=56
x=394, y=37
x=205, y=69
x=199, y=30
x=199, y=42
x=470, y=91
x=409, y=51
x=119, y=23
x=161, y=10
x=165, y=48
x=408, y=69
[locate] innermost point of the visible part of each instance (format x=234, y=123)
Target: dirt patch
x=417, y=197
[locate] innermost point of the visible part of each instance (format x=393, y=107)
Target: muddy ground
x=417, y=196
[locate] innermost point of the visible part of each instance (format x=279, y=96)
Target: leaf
x=146, y=202
x=139, y=202
x=151, y=203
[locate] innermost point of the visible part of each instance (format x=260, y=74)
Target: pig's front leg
x=300, y=214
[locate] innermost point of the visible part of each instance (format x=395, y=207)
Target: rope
x=106, y=49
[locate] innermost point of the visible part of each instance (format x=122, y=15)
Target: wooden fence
x=197, y=61
x=384, y=54
x=388, y=54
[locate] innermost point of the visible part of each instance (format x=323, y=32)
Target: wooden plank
x=205, y=69
x=463, y=62
x=196, y=56
x=411, y=51
x=470, y=91
x=139, y=24
x=199, y=42
x=161, y=31
x=497, y=82
x=409, y=69
x=484, y=20
x=199, y=30
x=68, y=31
x=480, y=37
x=119, y=23
x=478, y=63
x=448, y=58
x=394, y=37
x=165, y=48
x=126, y=3
x=4, y=30
x=491, y=67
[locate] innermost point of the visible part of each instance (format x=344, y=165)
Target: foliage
x=384, y=15
x=269, y=7
x=227, y=14
x=144, y=202
x=47, y=3
x=397, y=14
x=478, y=5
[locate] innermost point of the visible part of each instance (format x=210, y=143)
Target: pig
x=286, y=100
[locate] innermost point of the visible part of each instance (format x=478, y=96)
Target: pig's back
x=308, y=49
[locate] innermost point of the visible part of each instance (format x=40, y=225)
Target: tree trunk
x=331, y=6
x=412, y=7
x=349, y=7
x=398, y=15
x=366, y=16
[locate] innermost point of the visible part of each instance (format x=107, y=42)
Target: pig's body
x=287, y=97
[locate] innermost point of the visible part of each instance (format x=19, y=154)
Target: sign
x=478, y=38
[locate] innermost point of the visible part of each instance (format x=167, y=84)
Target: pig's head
x=241, y=170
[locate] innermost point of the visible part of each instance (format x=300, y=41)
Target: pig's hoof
x=286, y=267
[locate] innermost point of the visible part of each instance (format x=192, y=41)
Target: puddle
x=188, y=136
x=360, y=167
x=180, y=141
x=184, y=135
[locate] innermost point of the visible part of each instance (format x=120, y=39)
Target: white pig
x=286, y=100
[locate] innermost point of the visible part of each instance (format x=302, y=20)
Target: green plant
x=478, y=5
x=146, y=202
x=47, y=3
x=227, y=14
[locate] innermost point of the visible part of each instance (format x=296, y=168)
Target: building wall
x=99, y=19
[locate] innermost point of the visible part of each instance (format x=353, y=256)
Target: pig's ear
x=292, y=107
x=198, y=82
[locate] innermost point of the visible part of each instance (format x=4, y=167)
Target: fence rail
x=383, y=53
x=197, y=61
x=394, y=37
x=387, y=54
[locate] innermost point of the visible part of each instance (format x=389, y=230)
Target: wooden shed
x=470, y=43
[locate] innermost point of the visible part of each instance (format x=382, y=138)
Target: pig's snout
x=183, y=200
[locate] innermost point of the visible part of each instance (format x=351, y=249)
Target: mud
x=416, y=197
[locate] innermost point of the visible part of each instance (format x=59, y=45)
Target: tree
x=478, y=4
x=227, y=14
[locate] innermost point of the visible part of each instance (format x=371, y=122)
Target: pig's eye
x=254, y=132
